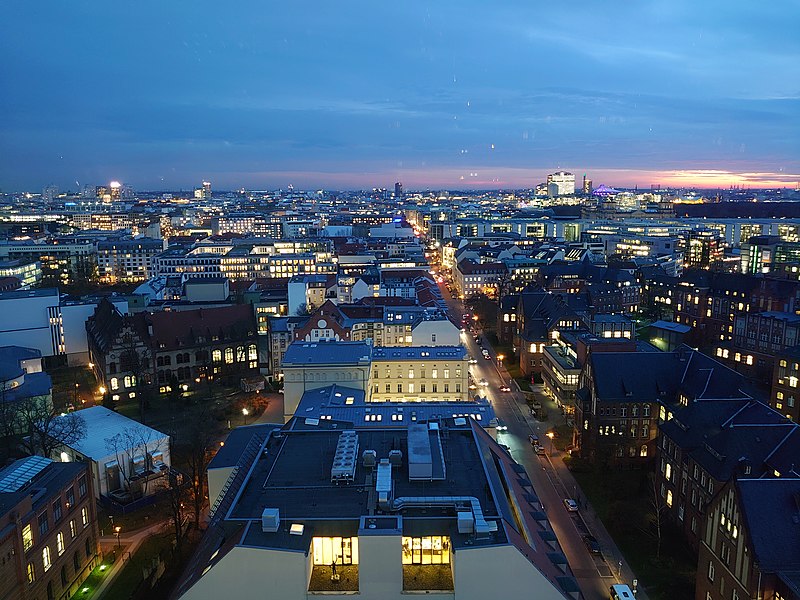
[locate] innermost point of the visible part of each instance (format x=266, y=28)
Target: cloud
x=455, y=87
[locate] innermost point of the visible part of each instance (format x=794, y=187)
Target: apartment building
x=622, y=397
x=420, y=373
x=749, y=541
x=127, y=260
x=49, y=538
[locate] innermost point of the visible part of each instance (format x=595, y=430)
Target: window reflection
x=429, y=550
x=339, y=550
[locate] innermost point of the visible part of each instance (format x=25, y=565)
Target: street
x=551, y=479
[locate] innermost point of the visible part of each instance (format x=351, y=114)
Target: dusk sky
x=347, y=95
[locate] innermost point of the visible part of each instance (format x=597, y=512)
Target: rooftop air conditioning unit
x=270, y=520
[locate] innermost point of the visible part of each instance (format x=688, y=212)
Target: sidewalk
x=125, y=547
x=616, y=561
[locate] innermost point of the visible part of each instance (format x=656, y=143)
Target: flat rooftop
x=343, y=353
x=419, y=353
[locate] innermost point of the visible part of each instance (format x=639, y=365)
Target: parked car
x=571, y=505
x=505, y=388
x=500, y=426
x=591, y=543
x=533, y=439
x=473, y=360
x=483, y=382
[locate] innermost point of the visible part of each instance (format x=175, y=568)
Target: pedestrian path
x=127, y=545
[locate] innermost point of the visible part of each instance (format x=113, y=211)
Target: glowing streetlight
x=551, y=435
x=117, y=529
x=245, y=412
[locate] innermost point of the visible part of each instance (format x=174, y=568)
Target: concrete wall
x=298, y=380
x=500, y=572
x=380, y=569
x=446, y=334
x=479, y=573
x=24, y=321
x=254, y=573
x=216, y=481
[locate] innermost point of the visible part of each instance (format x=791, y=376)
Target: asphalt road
x=549, y=475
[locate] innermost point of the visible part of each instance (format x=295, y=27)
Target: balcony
x=324, y=581
x=428, y=578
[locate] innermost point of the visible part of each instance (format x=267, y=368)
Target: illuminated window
x=31, y=573
x=60, y=543
x=429, y=550
x=252, y=352
x=229, y=356
x=46, y=558
x=669, y=498
x=114, y=383
x=216, y=355
x=85, y=516
x=339, y=550
x=27, y=537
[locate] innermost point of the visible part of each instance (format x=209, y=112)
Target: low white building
x=128, y=460
x=40, y=319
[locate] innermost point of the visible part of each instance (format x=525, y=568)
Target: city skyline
x=448, y=96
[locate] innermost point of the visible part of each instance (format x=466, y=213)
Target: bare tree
x=658, y=506
x=176, y=492
x=200, y=442
x=135, y=358
x=131, y=445
x=42, y=428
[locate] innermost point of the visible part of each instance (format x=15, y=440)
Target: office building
x=560, y=183
x=320, y=507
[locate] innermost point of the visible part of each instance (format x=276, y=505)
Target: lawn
x=92, y=582
x=622, y=502
x=130, y=578
x=71, y=385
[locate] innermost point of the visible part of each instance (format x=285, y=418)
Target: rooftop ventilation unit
x=343, y=469
x=383, y=484
x=270, y=520
x=396, y=458
x=369, y=458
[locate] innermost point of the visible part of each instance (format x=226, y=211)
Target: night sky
x=343, y=95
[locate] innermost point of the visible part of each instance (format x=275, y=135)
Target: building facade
x=50, y=536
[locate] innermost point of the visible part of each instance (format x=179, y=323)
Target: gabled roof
x=771, y=511
x=177, y=329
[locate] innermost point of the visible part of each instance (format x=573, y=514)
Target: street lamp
x=500, y=358
x=245, y=412
x=117, y=529
x=551, y=435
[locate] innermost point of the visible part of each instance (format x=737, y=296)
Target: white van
x=621, y=592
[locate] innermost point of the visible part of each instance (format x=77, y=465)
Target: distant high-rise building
x=50, y=192
x=113, y=192
x=203, y=193
x=560, y=183
x=398, y=190
x=587, y=185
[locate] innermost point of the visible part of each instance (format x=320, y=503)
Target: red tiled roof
x=174, y=329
